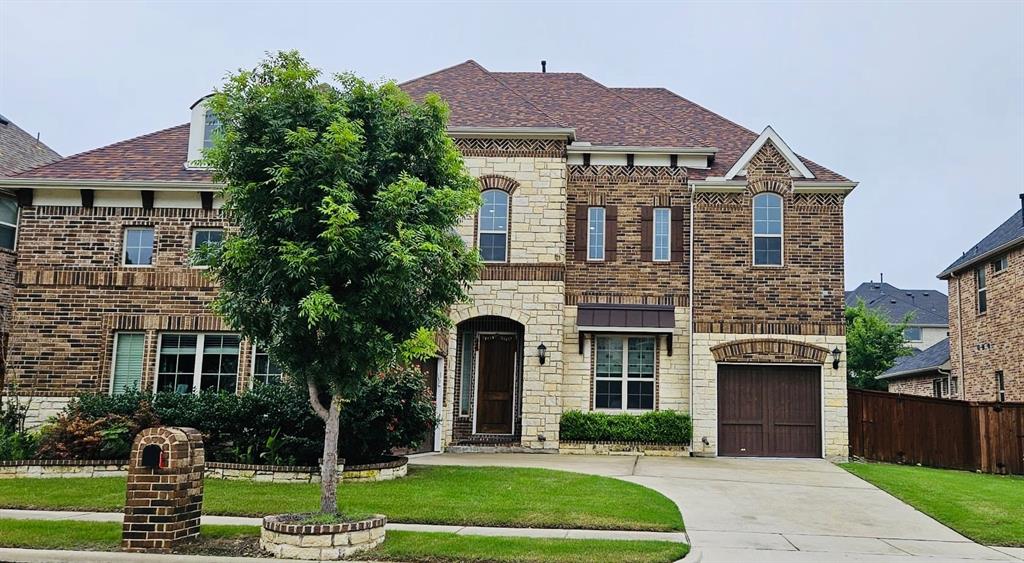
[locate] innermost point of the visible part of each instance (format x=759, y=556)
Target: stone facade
x=981, y=344
x=62, y=468
x=623, y=448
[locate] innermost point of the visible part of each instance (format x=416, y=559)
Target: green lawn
x=471, y=496
x=399, y=546
x=986, y=508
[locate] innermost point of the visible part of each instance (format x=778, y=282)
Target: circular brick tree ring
x=285, y=536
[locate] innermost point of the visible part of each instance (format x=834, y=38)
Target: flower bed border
x=615, y=447
x=384, y=471
x=284, y=538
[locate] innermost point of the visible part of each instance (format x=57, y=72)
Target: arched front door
x=497, y=357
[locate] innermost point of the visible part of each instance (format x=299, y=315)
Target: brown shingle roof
x=19, y=150
x=477, y=99
x=731, y=139
x=158, y=156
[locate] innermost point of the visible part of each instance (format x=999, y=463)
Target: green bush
x=269, y=424
x=15, y=442
x=659, y=427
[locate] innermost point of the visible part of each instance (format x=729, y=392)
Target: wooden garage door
x=769, y=411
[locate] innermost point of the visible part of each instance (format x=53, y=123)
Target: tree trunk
x=329, y=464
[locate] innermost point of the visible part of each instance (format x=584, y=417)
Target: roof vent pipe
x=544, y=68
x=1022, y=209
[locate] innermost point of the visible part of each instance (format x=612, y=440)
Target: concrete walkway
x=771, y=509
x=458, y=530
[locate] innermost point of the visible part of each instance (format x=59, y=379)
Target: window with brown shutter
x=646, y=232
x=580, y=244
x=611, y=232
x=678, y=230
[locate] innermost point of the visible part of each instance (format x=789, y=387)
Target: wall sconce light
x=542, y=353
x=836, y=353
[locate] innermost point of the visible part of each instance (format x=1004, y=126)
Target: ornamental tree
x=346, y=196
x=872, y=346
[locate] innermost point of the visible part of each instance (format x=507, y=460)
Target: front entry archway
x=497, y=357
x=488, y=386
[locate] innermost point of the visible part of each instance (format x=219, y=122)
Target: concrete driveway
x=770, y=509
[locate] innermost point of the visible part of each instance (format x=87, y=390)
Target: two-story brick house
x=986, y=305
x=642, y=253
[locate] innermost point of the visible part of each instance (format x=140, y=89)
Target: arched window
x=767, y=230
x=493, y=227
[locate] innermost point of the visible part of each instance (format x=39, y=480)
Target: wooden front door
x=496, y=376
x=769, y=411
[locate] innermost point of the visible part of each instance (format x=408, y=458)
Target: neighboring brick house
x=986, y=305
x=925, y=372
x=642, y=253
x=19, y=150
x=927, y=309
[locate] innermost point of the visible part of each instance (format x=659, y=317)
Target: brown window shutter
x=646, y=233
x=580, y=244
x=611, y=232
x=678, y=237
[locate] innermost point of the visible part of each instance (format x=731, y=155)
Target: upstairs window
x=912, y=334
x=210, y=126
x=595, y=233
x=979, y=277
x=138, y=246
x=493, y=227
x=662, y=250
x=999, y=264
x=202, y=238
x=767, y=230
x=8, y=222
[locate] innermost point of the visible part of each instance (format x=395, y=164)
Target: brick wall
x=804, y=296
x=73, y=294
x=920, y=385
x=981, y=344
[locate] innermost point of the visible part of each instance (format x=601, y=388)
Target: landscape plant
x=345, y=197
x=657, y=427
x=872, y=346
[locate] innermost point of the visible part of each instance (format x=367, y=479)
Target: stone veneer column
x=163, y=503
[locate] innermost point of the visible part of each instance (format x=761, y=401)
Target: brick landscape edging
x=283, y=537
x=623, y=448
x=384, y=471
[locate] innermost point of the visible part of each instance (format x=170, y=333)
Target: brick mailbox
x=165, y=489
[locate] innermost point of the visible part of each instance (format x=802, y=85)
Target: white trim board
x=769, y=134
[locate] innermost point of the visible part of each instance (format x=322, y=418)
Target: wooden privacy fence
x=946, y=433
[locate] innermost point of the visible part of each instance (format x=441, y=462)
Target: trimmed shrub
x=658, y=427
x=267, y=425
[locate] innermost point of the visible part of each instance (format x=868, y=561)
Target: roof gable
x=739, y=168
x=930, y=359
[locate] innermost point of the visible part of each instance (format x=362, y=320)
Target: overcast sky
x=922, y=103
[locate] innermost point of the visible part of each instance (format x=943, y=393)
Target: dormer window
x=210, y=127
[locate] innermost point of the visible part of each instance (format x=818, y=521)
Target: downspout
x=690, y=312
x=960, y=335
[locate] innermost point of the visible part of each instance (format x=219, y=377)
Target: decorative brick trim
x=391, y=464
x=552, y=148
x=62, y=462
x=623, y=448
x=43, y=210
x=497, y=182
x=286, y=524
x=205, y=323
x=768, y=184
x=253, y=467
x=816, y=201
x=702, y=200
x=523, y=272
x=769, y=350
x=625, y=173
x=115, y=279
x=575, y=298
x=802, y=329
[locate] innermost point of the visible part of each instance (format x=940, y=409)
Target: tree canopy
x=872, y=346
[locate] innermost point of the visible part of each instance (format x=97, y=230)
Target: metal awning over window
x=604, y=317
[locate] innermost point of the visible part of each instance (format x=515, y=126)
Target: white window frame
x=654, y=234
x=999, y=265
x=600, y=234
x=197, y=369
x=1000, y=386
x=780, y=236
x=252, y=366
x=625, y=379
x=920, y=333
x=17, y=221
x=113, y=358
x=208, y=135
x=481, y=231
x=195, y=238
x=124, y=247
x=980, y=275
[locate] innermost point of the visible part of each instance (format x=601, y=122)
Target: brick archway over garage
x=769, y=351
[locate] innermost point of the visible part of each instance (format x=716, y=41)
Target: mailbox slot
x=152, y=457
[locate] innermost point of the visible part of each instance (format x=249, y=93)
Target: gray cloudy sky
x=922, y=103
